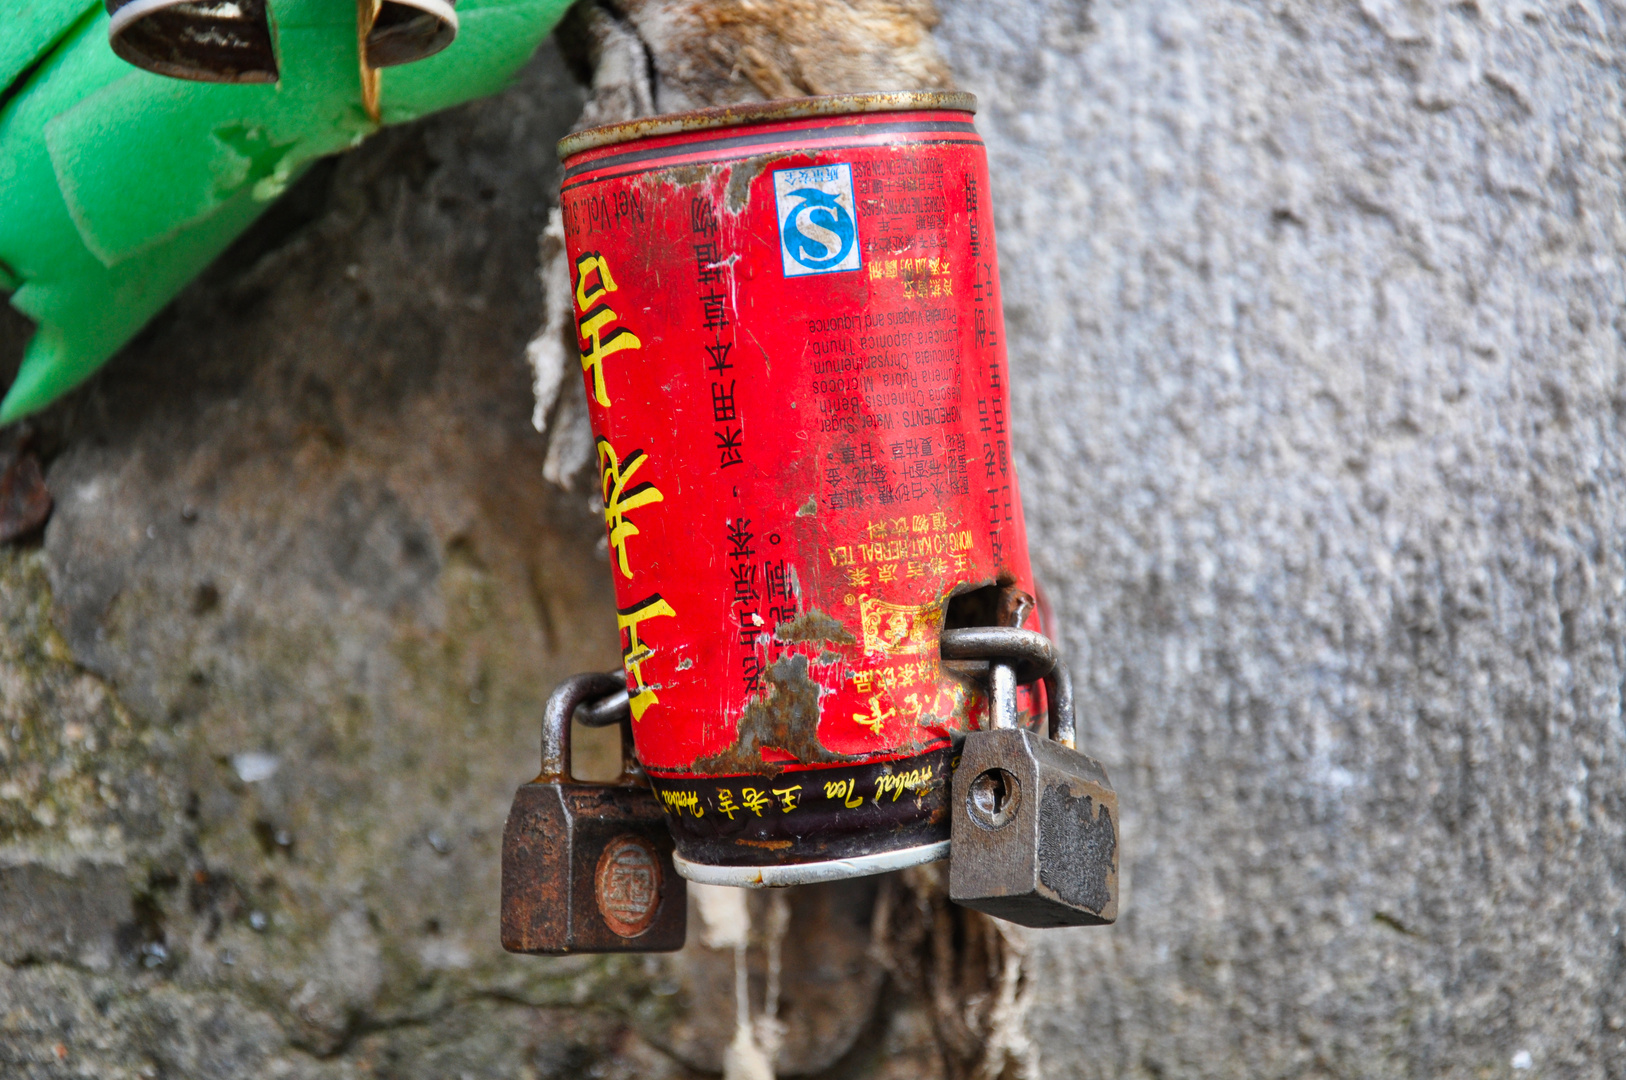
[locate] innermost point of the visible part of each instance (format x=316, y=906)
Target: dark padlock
x=206, y=40
x=1034, y=823
x=587, y=868
x=405, y=31
x=232, y=40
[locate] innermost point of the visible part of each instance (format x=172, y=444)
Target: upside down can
x=792, y=346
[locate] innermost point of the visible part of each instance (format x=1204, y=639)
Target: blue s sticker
x=818, y=226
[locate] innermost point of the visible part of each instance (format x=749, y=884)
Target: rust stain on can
x=784, y=722
x=738, y=191
x=815, y=625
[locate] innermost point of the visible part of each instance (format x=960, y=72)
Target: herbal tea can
x=791, y=340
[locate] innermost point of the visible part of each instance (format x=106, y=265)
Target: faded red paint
x=801, y=460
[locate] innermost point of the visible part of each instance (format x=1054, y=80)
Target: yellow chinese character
x=875, y=719
x=755, y=800
x=619, y=499
x=921, y=523
x=787, y=797
x=876, y=271
x=891, y=268
x=937, y=286
x=948, y=286
x=886, y=572
x=589, y=267
x=596, y=317
x=634, y=652
x=857, y=576
x=939, y=521
x=877, y=530
x=726, y=803
x=862, y=681
x=913, y=568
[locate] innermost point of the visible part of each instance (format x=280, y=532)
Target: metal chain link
x=612, y=708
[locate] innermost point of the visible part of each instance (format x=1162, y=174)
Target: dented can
x=792, y=345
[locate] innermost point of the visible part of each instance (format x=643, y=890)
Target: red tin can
x=793, y=351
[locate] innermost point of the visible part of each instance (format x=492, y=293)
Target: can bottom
x=772, y=877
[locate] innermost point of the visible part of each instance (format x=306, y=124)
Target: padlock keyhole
x=993, y=799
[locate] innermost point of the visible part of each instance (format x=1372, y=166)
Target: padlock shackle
x=1002, y=714
x=615, y=709
x=1030, y=652
x=1058, y=686
x=556, y=715
x=1016, y=657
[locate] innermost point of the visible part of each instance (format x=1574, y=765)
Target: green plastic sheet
x=118, y=186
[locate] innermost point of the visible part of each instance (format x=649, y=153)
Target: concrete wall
x=1317, y=347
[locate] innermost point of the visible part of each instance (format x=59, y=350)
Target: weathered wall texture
x=1315, y=312
x=1316, y=323
x=269, y=682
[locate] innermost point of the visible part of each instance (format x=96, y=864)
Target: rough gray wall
x=1315, y=315
x=1316, y=325
x=269, y=680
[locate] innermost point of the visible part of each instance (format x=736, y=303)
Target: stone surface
x=1317, y=348
x=270, y=678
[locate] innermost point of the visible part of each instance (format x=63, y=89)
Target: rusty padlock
x=587, y=868
x=232, y=41
x=406, y=31
x=203, y=40
x=1034, y=822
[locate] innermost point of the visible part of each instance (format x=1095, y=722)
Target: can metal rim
x=762, y=112
x=774, y=877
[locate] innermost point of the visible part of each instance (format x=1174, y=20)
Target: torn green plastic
x=118, y=186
